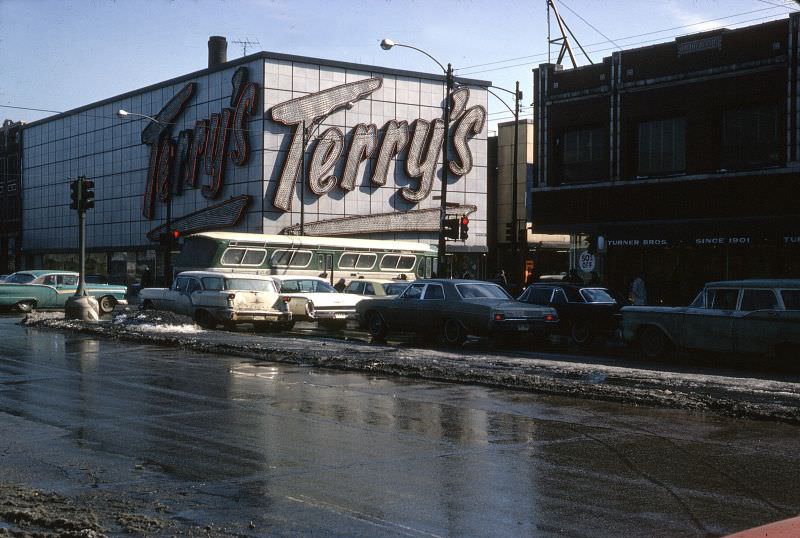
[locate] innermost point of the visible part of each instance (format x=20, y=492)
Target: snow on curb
x=753, y=398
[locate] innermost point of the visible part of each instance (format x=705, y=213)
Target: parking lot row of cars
x=746, y=316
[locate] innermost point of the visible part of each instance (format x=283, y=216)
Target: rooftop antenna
x=246, y=43
x=563, y=40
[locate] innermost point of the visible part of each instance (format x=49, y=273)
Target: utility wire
x=541, y=54
x=544, y=55
x=590, y=25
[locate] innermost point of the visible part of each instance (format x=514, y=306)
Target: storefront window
x=750, y=138
x=584, y=154
x=662, y=147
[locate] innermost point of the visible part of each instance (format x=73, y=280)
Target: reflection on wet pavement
x=299, y=450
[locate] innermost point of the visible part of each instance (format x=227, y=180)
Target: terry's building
x=680, y=159
x=269, y=143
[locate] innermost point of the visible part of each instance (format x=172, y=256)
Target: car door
x=431, y=309
x=183, y=301
x=400, y=313
x=755, y=322
x=66, y=287
x=709, y=327
x=171, y=297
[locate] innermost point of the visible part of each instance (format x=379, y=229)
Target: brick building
x=681, y=159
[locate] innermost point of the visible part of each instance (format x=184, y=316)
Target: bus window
x=392, y=262
x=254, y=256
x=406, y=263
x=290, y=258
x=366, y=261
x=348, y=260
x=232, y=256
x=389, y=261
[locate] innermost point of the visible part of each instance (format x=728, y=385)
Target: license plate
x=522, y=327
x=259, y=318
x=340, y=316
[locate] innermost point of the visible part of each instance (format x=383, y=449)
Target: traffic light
x=451, y=228
x=176, y=234
x=75, y=194
x=87, y=194
x=464, y=232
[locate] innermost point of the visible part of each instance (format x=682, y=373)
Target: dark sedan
x=454, y=309
x=586, y=312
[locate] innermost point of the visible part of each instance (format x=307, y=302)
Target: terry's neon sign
x=425, y=138
x=206, y=147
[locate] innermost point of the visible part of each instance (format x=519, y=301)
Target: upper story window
x=750, y=137
x=662, y=147
x=584, y=154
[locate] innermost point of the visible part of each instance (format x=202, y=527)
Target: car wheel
x=336, y=324
x=286, y=325
x=205, y=320
x=653, y=342
x=147, y=305
x=377, y=326
x=25, y=306
x=264, y=326
x=453, y=333
x=107, y=304
x=580, y=333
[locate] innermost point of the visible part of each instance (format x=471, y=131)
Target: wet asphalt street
x=239, y=447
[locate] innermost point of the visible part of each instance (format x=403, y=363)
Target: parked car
x=318, y=300
x=211, y=298
x=26, y=290
x=376, y=288
x=3, y=278
x=454, y=309
x=585, y=313
x=736, y=316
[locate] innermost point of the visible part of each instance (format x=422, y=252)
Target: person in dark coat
x=147, y=278
x=501, y=278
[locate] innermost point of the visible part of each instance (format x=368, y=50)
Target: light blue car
x=26, y=290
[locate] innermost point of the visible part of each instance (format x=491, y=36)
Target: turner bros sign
x=207, y=147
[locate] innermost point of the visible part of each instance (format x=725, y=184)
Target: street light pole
x=514, y=173
x=442, y=247
x=387, y=44
x=303, y=183
x=515, y=237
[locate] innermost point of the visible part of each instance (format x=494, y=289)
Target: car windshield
x=475, y=290
x=394, y=289
x=597, y=295
x=306, y=286
x=249, y=284
x=20, y=278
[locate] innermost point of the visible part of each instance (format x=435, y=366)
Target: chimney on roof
x=217, y=50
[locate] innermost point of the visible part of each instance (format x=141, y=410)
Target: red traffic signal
x=463, y=231
x=176, y=234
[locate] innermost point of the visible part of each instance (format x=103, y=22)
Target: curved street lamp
x=514, y=226
x=387, y=44
x=123, y=114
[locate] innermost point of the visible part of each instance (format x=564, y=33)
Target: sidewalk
x=547, y=373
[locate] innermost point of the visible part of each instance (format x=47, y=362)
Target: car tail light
x=499, y=317
x=286, y=299
x=550, y=317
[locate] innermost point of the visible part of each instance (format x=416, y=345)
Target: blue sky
x=62, y=54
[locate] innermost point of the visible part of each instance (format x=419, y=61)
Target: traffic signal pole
x=82, y=306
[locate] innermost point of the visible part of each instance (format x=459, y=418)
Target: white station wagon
x=211, y=298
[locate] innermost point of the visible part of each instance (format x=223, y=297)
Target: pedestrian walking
x=638, y=292
x=147, y=277
x=501, y=279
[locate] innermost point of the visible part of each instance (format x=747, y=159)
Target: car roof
x=39, y=272
x=225, y=275
x=758, y=283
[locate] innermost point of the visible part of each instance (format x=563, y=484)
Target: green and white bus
x=332, y=258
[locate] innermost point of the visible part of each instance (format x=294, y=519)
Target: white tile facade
x=96, y=143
